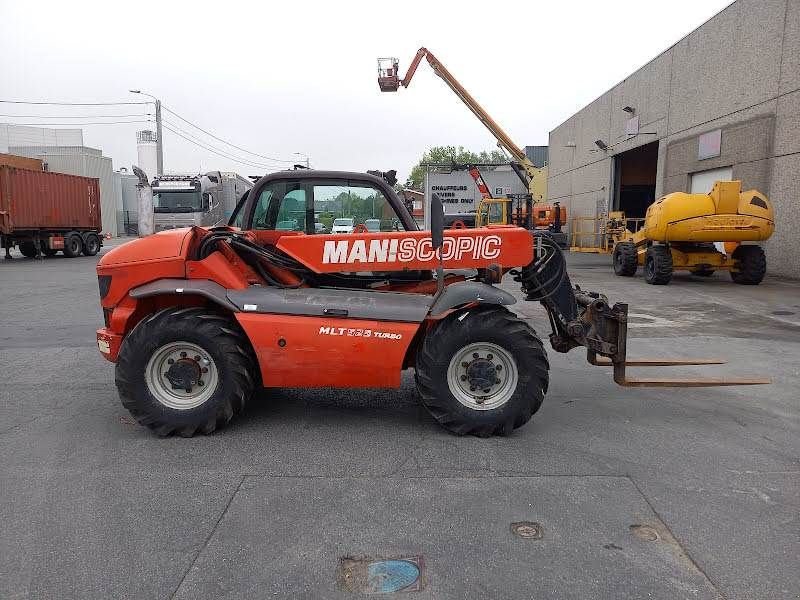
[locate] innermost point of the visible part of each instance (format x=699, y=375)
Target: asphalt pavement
x=621, y=493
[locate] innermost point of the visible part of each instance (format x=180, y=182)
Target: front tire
x=482, y=372
x=751, y=264
x=625, y=259
x=658, y=265
x=185, y=371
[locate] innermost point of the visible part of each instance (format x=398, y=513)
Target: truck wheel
x=73, y=244
x=27, y=249
x=482, y=372
x=185, y=370
x=658, y=265
x=751, y=264
x=625, y=259
x=92, y=245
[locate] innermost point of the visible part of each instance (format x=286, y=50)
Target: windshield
x=177, y=202
x=343, y=222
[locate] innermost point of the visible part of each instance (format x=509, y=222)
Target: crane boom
x=530, y=171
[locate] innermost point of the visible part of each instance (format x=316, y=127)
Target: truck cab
x=187, y=200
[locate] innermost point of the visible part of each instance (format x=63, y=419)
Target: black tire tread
x=27, y=249
x=662, y=261
x=69, y=253
x=752, y=264
x=434, y=356
x=231, y=342
x=626, y=251
x=86, y=248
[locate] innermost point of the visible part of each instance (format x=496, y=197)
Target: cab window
x=340, y=208
x=281, y=205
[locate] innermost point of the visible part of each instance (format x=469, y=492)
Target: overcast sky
x=280, y=78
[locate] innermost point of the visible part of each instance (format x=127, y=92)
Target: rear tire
x=658, y=265
x=73, y=245
x=194, y=346
x=27, y=249
x=463, y=353
x=625, y=259
x=751, y=264
x=91, y=245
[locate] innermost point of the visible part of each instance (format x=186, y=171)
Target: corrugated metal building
x=722, y=103
x=87, y=162
x=537, y=155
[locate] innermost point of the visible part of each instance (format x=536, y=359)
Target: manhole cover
x=783, y=313
x=644, y=532
x=527, y=529
x=381, y=575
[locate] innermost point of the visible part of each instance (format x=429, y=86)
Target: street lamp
x=159, y=144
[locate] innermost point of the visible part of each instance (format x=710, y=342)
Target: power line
x=219, y=139
x=221, y=151
x=229, y=157
x=82, y=124
x=75, y=117
x=73, y=103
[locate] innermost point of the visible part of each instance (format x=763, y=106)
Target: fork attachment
x=604, y=331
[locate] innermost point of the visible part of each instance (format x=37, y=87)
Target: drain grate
x=381, y=575
x=529, y=530
x=783, y=313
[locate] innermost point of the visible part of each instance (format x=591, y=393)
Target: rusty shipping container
x=47, y=202
x=21, y=162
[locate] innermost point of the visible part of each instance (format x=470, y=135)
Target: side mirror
x=437, y=222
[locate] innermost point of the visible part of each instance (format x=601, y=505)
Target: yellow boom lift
x=680, y=231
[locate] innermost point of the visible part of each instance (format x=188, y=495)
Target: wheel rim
x=650, y=266
x=92, y=245
x=181, y=375
x=482, y=376
x=74, y=245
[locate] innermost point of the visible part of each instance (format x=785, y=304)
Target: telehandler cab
x=199, y=319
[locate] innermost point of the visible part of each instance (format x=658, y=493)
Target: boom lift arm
x=389, y=81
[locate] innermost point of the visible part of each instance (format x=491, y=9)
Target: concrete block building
x=722, y=103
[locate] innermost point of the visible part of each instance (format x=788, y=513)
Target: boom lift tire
x=469, y=349
x=73, y=245
x=164, y=360
x=751, y=263
x=625, y=259
x=658, y=265
x=27, y=249
x=91, y=245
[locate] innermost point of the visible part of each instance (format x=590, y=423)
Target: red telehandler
x=198, y=319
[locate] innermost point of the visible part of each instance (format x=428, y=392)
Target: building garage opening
x=635, y=180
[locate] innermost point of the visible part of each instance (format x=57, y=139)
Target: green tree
x=449, y=154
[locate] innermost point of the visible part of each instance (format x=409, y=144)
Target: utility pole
x=159, y=140
x=159, y=134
